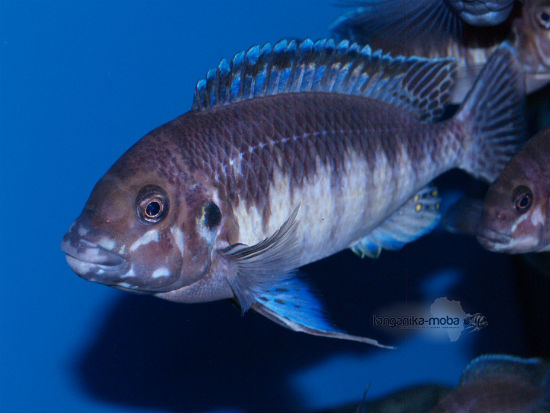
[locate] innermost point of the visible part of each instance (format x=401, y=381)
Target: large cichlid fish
x=431, y=29
x=515, y=216
x=291, y=153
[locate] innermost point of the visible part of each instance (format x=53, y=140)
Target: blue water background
x=80, y=82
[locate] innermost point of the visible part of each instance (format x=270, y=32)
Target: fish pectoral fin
x=415, y=218
x=257, y=267
x=292, y=304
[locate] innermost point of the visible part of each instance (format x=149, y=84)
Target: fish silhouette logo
x=475, y=322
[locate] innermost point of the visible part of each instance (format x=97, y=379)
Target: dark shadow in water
x=151, y=353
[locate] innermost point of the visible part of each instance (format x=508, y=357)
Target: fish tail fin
x=493, y=113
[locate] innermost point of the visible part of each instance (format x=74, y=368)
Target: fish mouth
x=492, y=239
x=93, y=262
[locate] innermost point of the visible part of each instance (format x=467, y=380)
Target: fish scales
x=291, y=153
x=306, y=146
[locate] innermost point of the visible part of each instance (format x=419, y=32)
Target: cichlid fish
x=428, y=28
x=515, y=216
x=500, y=383
x=480, y=12
x=291, y=153
x=448, y=16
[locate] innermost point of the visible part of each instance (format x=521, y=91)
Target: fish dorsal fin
x=417, y=84
x=533, y=371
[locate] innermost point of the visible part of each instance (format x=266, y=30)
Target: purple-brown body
x=228, y=199
x=362, y=160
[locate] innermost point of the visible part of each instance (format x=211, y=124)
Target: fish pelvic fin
x=419, y=85
x=415, y=218
x=494, y=116
x=263, y=277
x=292, y=304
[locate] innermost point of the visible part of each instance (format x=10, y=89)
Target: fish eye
x=523, y=198
x=543, y=18
x=151, y=205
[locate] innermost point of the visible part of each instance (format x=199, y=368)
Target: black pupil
x=524, y=201
x=152, y=209
x=213, y=215
x=545, y=16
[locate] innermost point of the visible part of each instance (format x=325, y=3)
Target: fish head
x=532, y=30
x=515, y=216
x=147, y=226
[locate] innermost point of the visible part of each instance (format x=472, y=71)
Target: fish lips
x=95, y=263
x=91, y=261
x=493, y=240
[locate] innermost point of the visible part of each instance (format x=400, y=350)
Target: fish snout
x=89, y=259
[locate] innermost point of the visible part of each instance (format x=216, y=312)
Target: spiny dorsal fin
x=417, y=84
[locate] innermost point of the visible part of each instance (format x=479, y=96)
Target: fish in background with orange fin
x=291, y=153
x=434, y=29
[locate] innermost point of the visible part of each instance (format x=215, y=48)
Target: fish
x=291, y=152
x=481, y=12
x=514, y=217
x=449, y=16
x=500, y=383
x=429, y=28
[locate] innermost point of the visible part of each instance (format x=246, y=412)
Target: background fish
x=515, y=216
x=446, y=16
x=481, y=12
x=500, y=383
x=490, y=383
x=291, y=153
x=430, y=29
